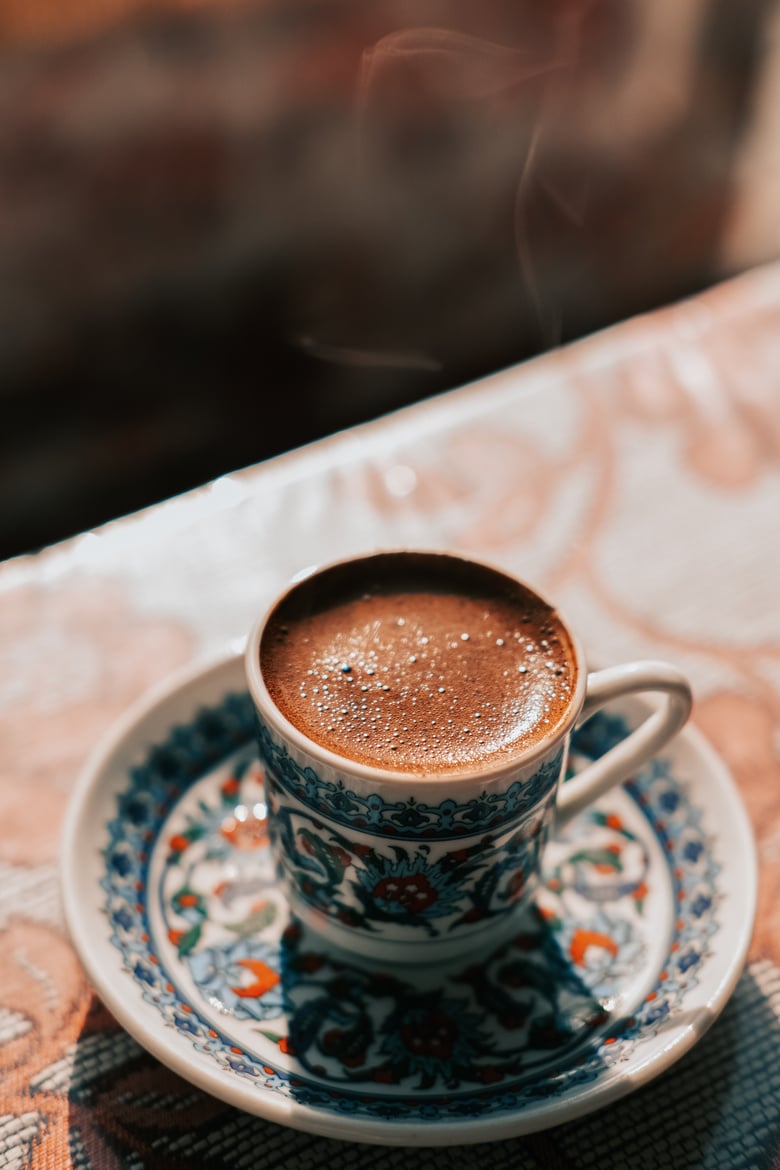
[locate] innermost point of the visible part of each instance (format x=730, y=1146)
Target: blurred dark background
x=229, y=228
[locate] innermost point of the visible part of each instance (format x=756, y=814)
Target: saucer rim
x=173, y=1051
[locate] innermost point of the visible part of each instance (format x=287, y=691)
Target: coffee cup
x=414, y=712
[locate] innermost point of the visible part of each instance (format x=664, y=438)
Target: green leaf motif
x=599, y=857
x=261, y=917
x=325, y=853
x=187, y=901
x=189, y=940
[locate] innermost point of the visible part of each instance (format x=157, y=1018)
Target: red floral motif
x=516, y=886
x=348, y=916
x=433, y=1036
x=608, y=867
x=264, y=979
x=412, y=891
x=248, y=833
x=230, y=786
x=333, y=1042
x=308, y=845
x=583, y=939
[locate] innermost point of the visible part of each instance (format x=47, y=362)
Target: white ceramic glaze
x=436, y=885
x=673, y=940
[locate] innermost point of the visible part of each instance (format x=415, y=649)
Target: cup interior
x=324, y=605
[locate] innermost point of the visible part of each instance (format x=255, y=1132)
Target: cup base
x=356, y=946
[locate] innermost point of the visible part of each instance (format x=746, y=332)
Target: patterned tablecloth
x=635, y=477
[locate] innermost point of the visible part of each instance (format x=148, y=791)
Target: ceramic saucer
x=628, y=954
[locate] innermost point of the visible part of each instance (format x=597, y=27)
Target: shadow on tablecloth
x=715, y=1110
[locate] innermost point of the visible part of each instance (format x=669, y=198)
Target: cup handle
x=651, y=735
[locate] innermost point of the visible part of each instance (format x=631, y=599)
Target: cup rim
x=464, y=776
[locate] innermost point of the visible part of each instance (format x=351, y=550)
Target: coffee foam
x=418, y=664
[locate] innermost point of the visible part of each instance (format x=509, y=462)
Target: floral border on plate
x=211, y=737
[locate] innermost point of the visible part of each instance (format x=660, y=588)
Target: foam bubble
x=417, y=691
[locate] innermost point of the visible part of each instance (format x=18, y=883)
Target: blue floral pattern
x=410, y=818
x=410, y=885
x=267, y=1003
x=369, y=865
x=242, y=978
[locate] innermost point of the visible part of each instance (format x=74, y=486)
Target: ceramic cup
x=403, y=867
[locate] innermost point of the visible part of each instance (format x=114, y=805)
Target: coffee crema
x=418, y=663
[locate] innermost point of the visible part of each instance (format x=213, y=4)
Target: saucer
x=631, y=949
